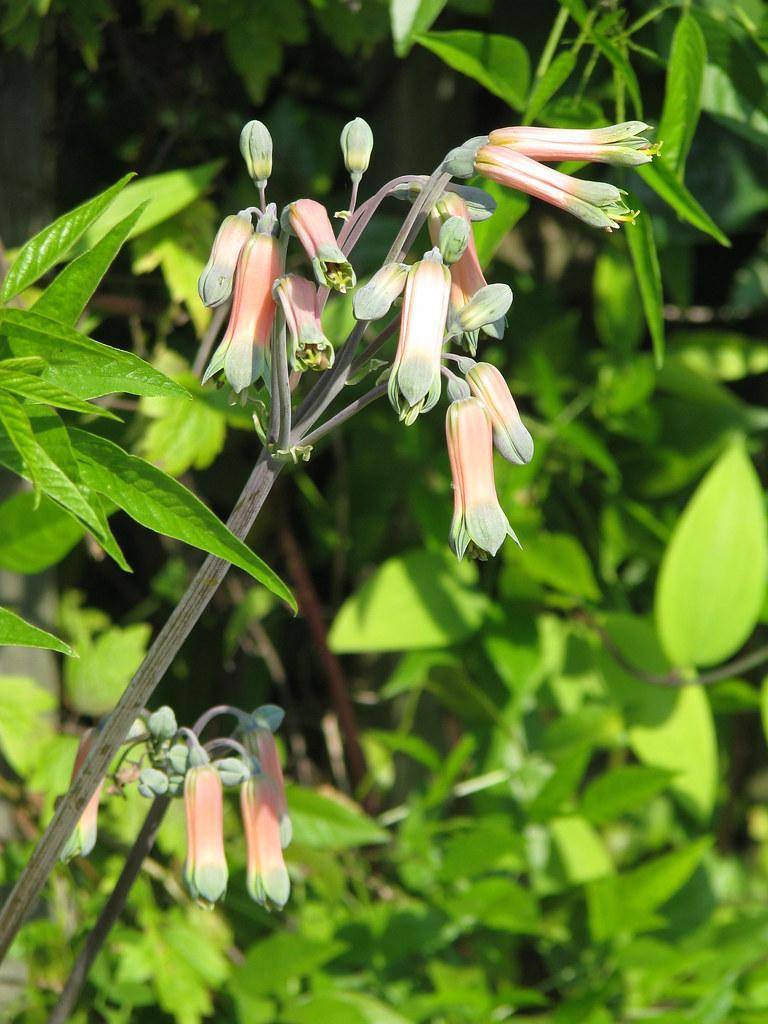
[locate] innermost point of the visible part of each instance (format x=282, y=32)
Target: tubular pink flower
x=596, y=203
x=267, y=877
x=309, y=222
x=510, y=435
x=243, y=352
x=205, y=870
x=215, y=284
x=265, y=749
x=83, y=838
x=619, y=144
x=310, y=349
x=414, y=381
x=479, y=525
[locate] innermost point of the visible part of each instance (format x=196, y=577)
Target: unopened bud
x=374, y=299
x=232, y=770
x=454, y=239
x=153, y=782
x=178, y=758
x=487, y=306
x=357, y=146
x=460, y=162
x=256, y=147
x=162, y=724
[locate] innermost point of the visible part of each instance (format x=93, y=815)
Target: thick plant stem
x=110, y=912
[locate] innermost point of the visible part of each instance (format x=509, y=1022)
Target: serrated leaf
x=77, y=363
x=622, y=790
x=15, y=422
x=67, y=295
x=712, y=579
x=330, y=822
x=682, y=96
x=162, y=504
x=42, y=393
x=16, y=632
x=499, y=63
x=32, y=539
x=642, y=249
x=54, y=242
x=663, y=181
x=94, y=683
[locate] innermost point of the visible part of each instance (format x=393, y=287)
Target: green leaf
x=712, y=579
x=682, y=97
x=15, y=632
x=499, y=63
x=54, y=242
x=410, y=17
x=78, y=364
x=642, y=249
x=341, y=1008
x=557, y=560
x=416, y=600
x=664, y=182
x=498, y=903
x=510, y=208
x=15, y=422
x=618, y=308
x=272, y=963
x=164, y=194
x=40, y=392
x=625, y=789
x=162, y=504
x=330, y=823
x=67, y=295
x=544, y=88
x=622, y=66
x=26, y=710
x=95, y=682
x=581, y=851
x=719, y=354
x=32, y=539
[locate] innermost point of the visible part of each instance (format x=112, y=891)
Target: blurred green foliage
x=557, y=823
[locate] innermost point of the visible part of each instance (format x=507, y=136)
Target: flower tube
x=308, y=220
x=594, y=202
x=83, y=838
x=310, y=349
x=267, y=877
x=414, y=381
x=205, y=869
x=215, y=284
x=479, y=525
x=243, y=352
x=620, y=144
x=510, y=435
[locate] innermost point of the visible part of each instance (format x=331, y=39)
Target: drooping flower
x=622, y=144
x=83, y=838
x=269, y=759
x=479, y=525
x=309, y=222
x=215, y=283
x=510, y=435
x=310, y=349
x=414, y=381
x=243, y=352
x=267, y=877
x=596, y=203
x=205, y=869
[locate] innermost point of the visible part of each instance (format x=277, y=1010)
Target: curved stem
x=227, y=741
x=214, y=712
x=378, y=343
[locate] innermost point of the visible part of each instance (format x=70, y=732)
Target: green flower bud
x=487, y=306
x=374, y=299
x=232, y=770
x=460, y=162
x=178, y=758
x=162, y=724
x=256, y=147
x=356, y=145
x=153, y=782
x=454, y=239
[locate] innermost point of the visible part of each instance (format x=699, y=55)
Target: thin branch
x=210, y=336
x=345, y=414
x=375, y=346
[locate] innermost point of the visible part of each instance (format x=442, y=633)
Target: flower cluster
x=445, y=298
x=174, y=763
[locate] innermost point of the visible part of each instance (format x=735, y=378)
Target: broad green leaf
x=499, y=63
x=85, y=367
x=272, y=963
x=556, y=560
x=54, y=242
x=712, y=579
x=342, y=1008
x=162, y=504
x=719, y=354
x=15, y=632
x=41, y=392
x=330, y=822
x=545, y=87
x=26, y=713
x=622, y=790
x=67, y=295
x=410, y=17
x=510, y=208
x=416, y=600
x=642, y=249
x=682, y=98
x=581, y=851
x=95, y=682
x=497, y=903
x=664, y=182
x=165, y=194
x=32, y=539
x=622, y=66
x=15, y=422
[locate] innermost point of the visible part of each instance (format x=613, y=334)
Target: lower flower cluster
x=173, y=762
